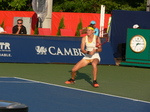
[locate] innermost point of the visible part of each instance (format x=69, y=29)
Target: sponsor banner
x=39, y=49
x=5, y=50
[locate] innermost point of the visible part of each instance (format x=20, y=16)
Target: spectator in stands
x=19, y=28
x=1, y=30
x=93, y=24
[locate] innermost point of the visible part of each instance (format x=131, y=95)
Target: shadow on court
x=80, y=76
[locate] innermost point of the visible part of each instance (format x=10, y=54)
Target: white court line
x=6, y=77
x=25, y=81
x=15, y=82
x=86, y=91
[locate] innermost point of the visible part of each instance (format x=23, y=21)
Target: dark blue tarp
x=121, y=21
x=46, y=49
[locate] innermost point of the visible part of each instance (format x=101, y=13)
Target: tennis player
x=90, y=46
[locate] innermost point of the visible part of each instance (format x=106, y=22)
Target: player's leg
x=80, y=64
x=95, y=70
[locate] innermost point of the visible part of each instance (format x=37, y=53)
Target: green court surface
x=129, y=82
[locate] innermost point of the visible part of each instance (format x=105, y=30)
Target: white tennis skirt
x=91, y=57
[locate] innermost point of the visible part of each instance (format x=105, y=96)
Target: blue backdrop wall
x=46, y=49
x=121, y=21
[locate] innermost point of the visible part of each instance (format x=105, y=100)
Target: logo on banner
x=5, y=49
x=41, y=50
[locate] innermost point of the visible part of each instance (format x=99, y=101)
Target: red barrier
x=71, y=20
x=44, y=31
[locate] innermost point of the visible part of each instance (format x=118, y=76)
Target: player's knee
x=94, y=64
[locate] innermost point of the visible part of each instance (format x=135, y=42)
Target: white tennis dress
x=89, y=47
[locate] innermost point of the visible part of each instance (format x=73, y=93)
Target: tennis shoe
x=95, y=84
x=70, y=81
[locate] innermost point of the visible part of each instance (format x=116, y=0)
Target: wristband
x=97, y=50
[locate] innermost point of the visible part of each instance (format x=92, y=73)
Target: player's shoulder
x=84, y=38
